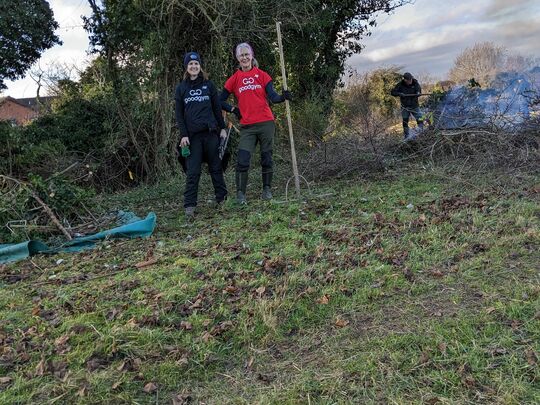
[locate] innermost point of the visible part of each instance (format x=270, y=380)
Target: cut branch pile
x=371, y=149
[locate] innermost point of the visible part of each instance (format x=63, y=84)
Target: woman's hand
x=223, y=134
x=184, y=141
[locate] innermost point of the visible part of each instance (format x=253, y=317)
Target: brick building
x=23, y=110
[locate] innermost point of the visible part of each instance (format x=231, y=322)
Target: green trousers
x=250, y=135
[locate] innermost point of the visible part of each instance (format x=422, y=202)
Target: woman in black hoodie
x=199, y=119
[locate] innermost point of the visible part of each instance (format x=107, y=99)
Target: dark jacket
x=198, y=108
x=403, y=88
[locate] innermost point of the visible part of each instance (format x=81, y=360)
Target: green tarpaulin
x=132, y=227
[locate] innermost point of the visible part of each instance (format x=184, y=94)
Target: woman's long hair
x=245, y=45
x=202, y=74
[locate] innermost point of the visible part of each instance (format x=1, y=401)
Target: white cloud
x=507, y=8
x=426, y=15
x=428, y=35
x=424, y=41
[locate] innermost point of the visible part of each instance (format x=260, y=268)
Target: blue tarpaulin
x=131, y=227
x=506, y=105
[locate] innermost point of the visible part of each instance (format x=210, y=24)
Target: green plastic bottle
x=185, y=151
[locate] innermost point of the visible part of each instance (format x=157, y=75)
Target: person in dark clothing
x=408, y=91
x=200, y=121
x=253, y=88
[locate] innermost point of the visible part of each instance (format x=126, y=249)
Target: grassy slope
x=354, y=298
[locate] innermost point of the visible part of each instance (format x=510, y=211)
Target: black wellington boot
x=267, y=186
x=241, y=186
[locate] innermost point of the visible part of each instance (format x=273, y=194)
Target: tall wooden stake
x=288, y=107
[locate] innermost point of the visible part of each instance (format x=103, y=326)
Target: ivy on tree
x=26, y=30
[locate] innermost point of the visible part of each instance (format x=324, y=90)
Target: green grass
x=414, y=288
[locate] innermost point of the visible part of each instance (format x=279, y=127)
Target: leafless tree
x=50, y=75
x=481, y=62
x=519, y=63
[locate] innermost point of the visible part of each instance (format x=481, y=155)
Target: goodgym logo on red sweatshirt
x=249, y=90
x=249, y=84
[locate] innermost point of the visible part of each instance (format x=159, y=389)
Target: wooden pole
x=288, y=108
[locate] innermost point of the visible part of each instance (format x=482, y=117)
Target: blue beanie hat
x=188, y=57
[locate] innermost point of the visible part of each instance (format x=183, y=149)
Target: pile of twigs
x=368, y=152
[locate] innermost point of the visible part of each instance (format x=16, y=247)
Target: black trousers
x=203, y=147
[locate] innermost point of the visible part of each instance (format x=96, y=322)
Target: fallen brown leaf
x=424, y=357
x=62, y=340
x=532, y=358
x=5, y=380
x=95, y=363
x=498, y=351
x=116, y=385
x=260, y=291
x=196, y=304
x=181, y=399
x=324, y=300
x=469, y=381
x=40, y=368
x=266, y=378
x=150, y=388
x=341, y=323
x=436, y=273
x=221, y=327
x=442, y=347
x=184, y=360
x=186, y=325
x=408, y=274
x=231, y=289
x=206, y=337
x=378, y=217
x=515, y=324
x=59, y=369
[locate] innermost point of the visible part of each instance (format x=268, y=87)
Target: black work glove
x=236, y=112
x=287, y=95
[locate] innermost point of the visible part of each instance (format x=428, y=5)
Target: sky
x=424, y=37
x=73, y=51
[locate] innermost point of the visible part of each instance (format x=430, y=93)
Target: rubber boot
x=267, y=186
x=406, y=133
x=241, y=186
x=190, y=213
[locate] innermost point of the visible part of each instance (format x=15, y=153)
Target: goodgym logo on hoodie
x=249, y=84
x=196, y=95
